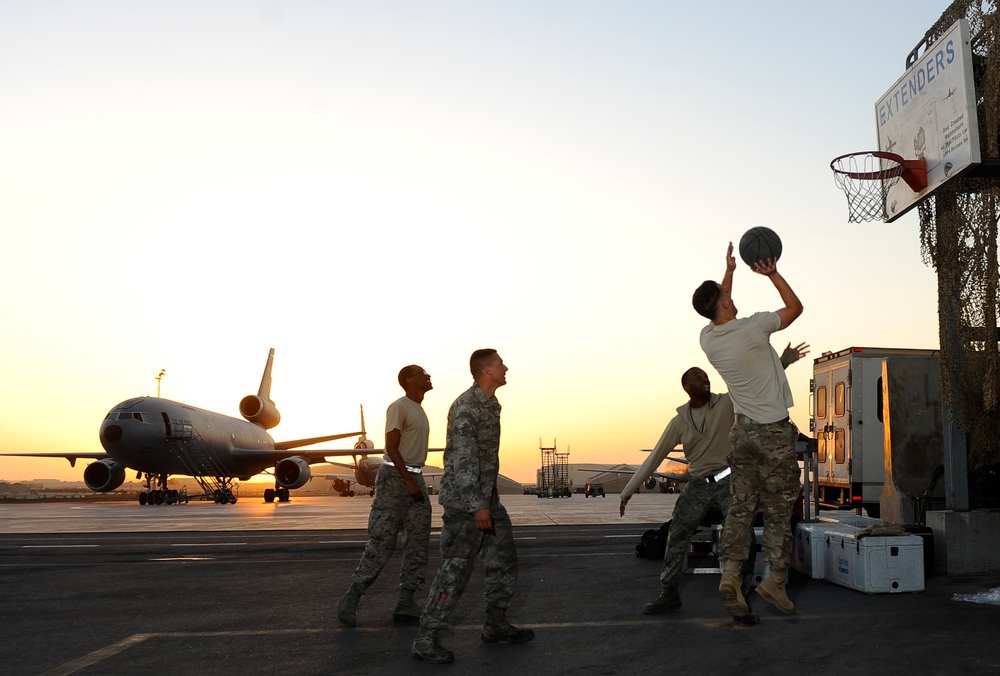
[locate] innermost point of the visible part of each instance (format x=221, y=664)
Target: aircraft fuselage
x=158, y=436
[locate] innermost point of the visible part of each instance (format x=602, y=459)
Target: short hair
x=706, y=299
x=479, y=360
x=687, y=374
x=408, y=372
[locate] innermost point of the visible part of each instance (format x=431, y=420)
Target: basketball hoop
x=867, y=177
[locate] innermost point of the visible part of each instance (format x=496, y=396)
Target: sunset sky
x=363, y=185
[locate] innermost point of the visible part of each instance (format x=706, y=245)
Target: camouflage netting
x=958, y=232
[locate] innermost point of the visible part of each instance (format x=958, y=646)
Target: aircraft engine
x=104, y=475
x=650, y=483
x=292, y=473
x=259, y=411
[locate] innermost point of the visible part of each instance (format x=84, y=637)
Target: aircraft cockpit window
x=134, y=415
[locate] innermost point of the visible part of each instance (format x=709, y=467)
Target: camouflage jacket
x=472, y=452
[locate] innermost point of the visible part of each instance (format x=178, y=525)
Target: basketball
x=759, y=244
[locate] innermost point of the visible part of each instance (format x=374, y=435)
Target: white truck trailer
x=856, y=394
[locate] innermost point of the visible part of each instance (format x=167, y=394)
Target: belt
x=412, y=469
x=740, y=418
x=713, y=478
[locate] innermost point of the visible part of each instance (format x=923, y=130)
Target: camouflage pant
x=689, y=511
x=461, y=543
x=765, y=473
x=393, y=510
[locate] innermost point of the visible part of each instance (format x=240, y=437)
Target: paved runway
x=119, y=589
x=302, y=513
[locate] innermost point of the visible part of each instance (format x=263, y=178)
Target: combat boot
x=406, y=609
x=498, y=630
x=427, y=647
x=772, y=590
x=668, y=600
x=347, y=611
x=729, y=590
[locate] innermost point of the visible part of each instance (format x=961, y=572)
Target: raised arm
x=793, y=306
x=727, y=279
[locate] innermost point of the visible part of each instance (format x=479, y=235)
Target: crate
x=809, y=546
x=873, y=564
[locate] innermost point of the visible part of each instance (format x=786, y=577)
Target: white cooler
x=874, y=564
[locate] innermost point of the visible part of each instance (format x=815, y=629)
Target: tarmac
x=118, y=588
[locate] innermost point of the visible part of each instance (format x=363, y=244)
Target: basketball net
x=866, y=180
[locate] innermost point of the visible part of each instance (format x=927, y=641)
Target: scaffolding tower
x=554, y=477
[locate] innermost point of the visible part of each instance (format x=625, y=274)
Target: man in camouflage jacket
x=475, y=524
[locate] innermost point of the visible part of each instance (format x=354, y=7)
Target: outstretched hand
x=730, y=259
x=790, y=354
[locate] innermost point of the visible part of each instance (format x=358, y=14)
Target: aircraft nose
x=112, y=433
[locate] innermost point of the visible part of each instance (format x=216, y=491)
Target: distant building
x=54, y=485
x=614, y=477
x=505, y=485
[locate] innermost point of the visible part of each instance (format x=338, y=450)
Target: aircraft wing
x=338, y=464
x=674, y=468
x=311, y=456
x=295, y=443
x=675, y=475
x=72, y=457
x=351, y=467
x=681, y=474
x=336, y=477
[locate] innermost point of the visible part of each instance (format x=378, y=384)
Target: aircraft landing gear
x=160, y=493
x=159, y=497
x=282, y=494
x=157, y=493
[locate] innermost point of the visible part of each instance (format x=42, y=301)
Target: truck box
x=875, y=564
x=849, y=406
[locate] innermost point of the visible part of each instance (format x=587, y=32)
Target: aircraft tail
x=363, y=442
x=265, y=380
x=259, y=409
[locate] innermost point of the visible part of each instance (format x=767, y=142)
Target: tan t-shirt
x=409, y=418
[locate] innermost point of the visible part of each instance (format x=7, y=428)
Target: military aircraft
x=673, y=471
x=364, y=470
x=157, y=437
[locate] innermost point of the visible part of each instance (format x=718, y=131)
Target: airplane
x=157, y=437
x=364, y=470
x=675, y=471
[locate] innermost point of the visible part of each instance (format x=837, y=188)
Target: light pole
x=159, y=377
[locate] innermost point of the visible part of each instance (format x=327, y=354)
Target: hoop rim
x=892, y=172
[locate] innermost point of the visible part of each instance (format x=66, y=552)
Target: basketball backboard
x=930, y=112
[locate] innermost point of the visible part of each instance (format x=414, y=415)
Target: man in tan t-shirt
x=401, y=502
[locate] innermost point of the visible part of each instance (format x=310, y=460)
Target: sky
x=367, y=184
